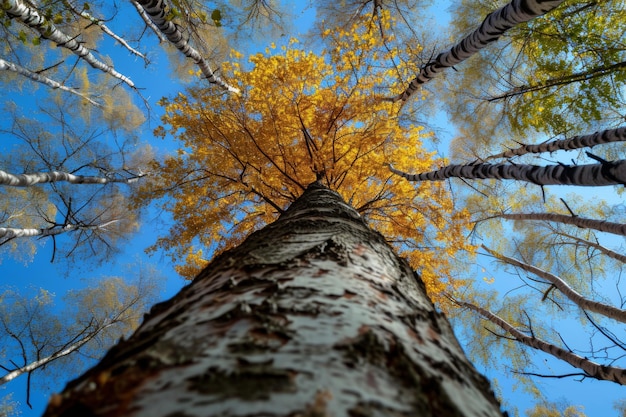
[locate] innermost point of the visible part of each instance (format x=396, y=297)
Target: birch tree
x=41, y=341
x=29, y=16
x=494, y=26
x=560, y=75
x=532, y=243
x=83, y=182
x=263, y=348
x=295, y=121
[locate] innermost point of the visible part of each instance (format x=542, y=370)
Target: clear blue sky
x=597, y=397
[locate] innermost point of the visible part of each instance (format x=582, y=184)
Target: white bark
x=569, y=292
x=144, y=16
x=313, y=315
x=11, y=232
x=31, y=18
x=27, y=180
x=44, y=361
x=592, y=175
x=9, y=66
x=576, y=142
x=156, y=10
x=593, y=369
x=108, y=31
x=600, y=225
x=494, y=26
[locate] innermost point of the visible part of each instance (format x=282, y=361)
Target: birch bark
x=591, y=175
x=27, y=180
x=582, y=302
x=592, y=369
x=7, y=233
x=582, y=222
x=494, y=26
x=10, y=66
x=34, y=20
x=155, y=9
x=575, y=142
x=312, y=315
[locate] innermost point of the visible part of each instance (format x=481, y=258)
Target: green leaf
x=217, y=17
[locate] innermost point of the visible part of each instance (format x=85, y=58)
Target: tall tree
x=244, y=159
x=557, y=75
x=41, y=340
x=312, y=314
x=573, y=292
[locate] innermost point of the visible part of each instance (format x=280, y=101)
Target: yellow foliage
x=552, y=410
x=304, y=116
x=194, y=263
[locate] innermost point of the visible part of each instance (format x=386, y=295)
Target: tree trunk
x=314, y=315
x=494, y=26
x=591, y=175
x=155, y=9
x=33, y=19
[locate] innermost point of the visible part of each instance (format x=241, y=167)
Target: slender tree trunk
x=601, y=71
x=494, y=26
x=582, y=302
x=34, y=365
x=155, y=9
x=590, y=368
x=33, y=19
x=314, y=315
x=576, y=142
x=10, y=66
x=582, y=222
x=27, y=180
x=591, y=175
x=7, y=233
x=105, y=29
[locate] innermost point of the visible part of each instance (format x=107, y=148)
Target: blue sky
x=597, y=397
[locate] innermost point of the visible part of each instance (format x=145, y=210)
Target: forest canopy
x=250, y=101
x=245, y=157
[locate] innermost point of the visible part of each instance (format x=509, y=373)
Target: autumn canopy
x=303, y=116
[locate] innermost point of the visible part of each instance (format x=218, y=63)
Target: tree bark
x=576, y=142
x=34, y=20
x=155, y=9
x=591, y=175
x=314, y=315
x=582, y=222
x=27, y=180
x=494, y=26
x=582, y=302
x=66, y=350
x=591, y=369
x=10, y=66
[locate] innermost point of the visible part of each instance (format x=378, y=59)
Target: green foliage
x=216, y=15
x=558, y=74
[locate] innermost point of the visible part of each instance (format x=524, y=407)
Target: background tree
x=40, y=339
x=91, y=211
x=560, y=75
x=560, y=260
